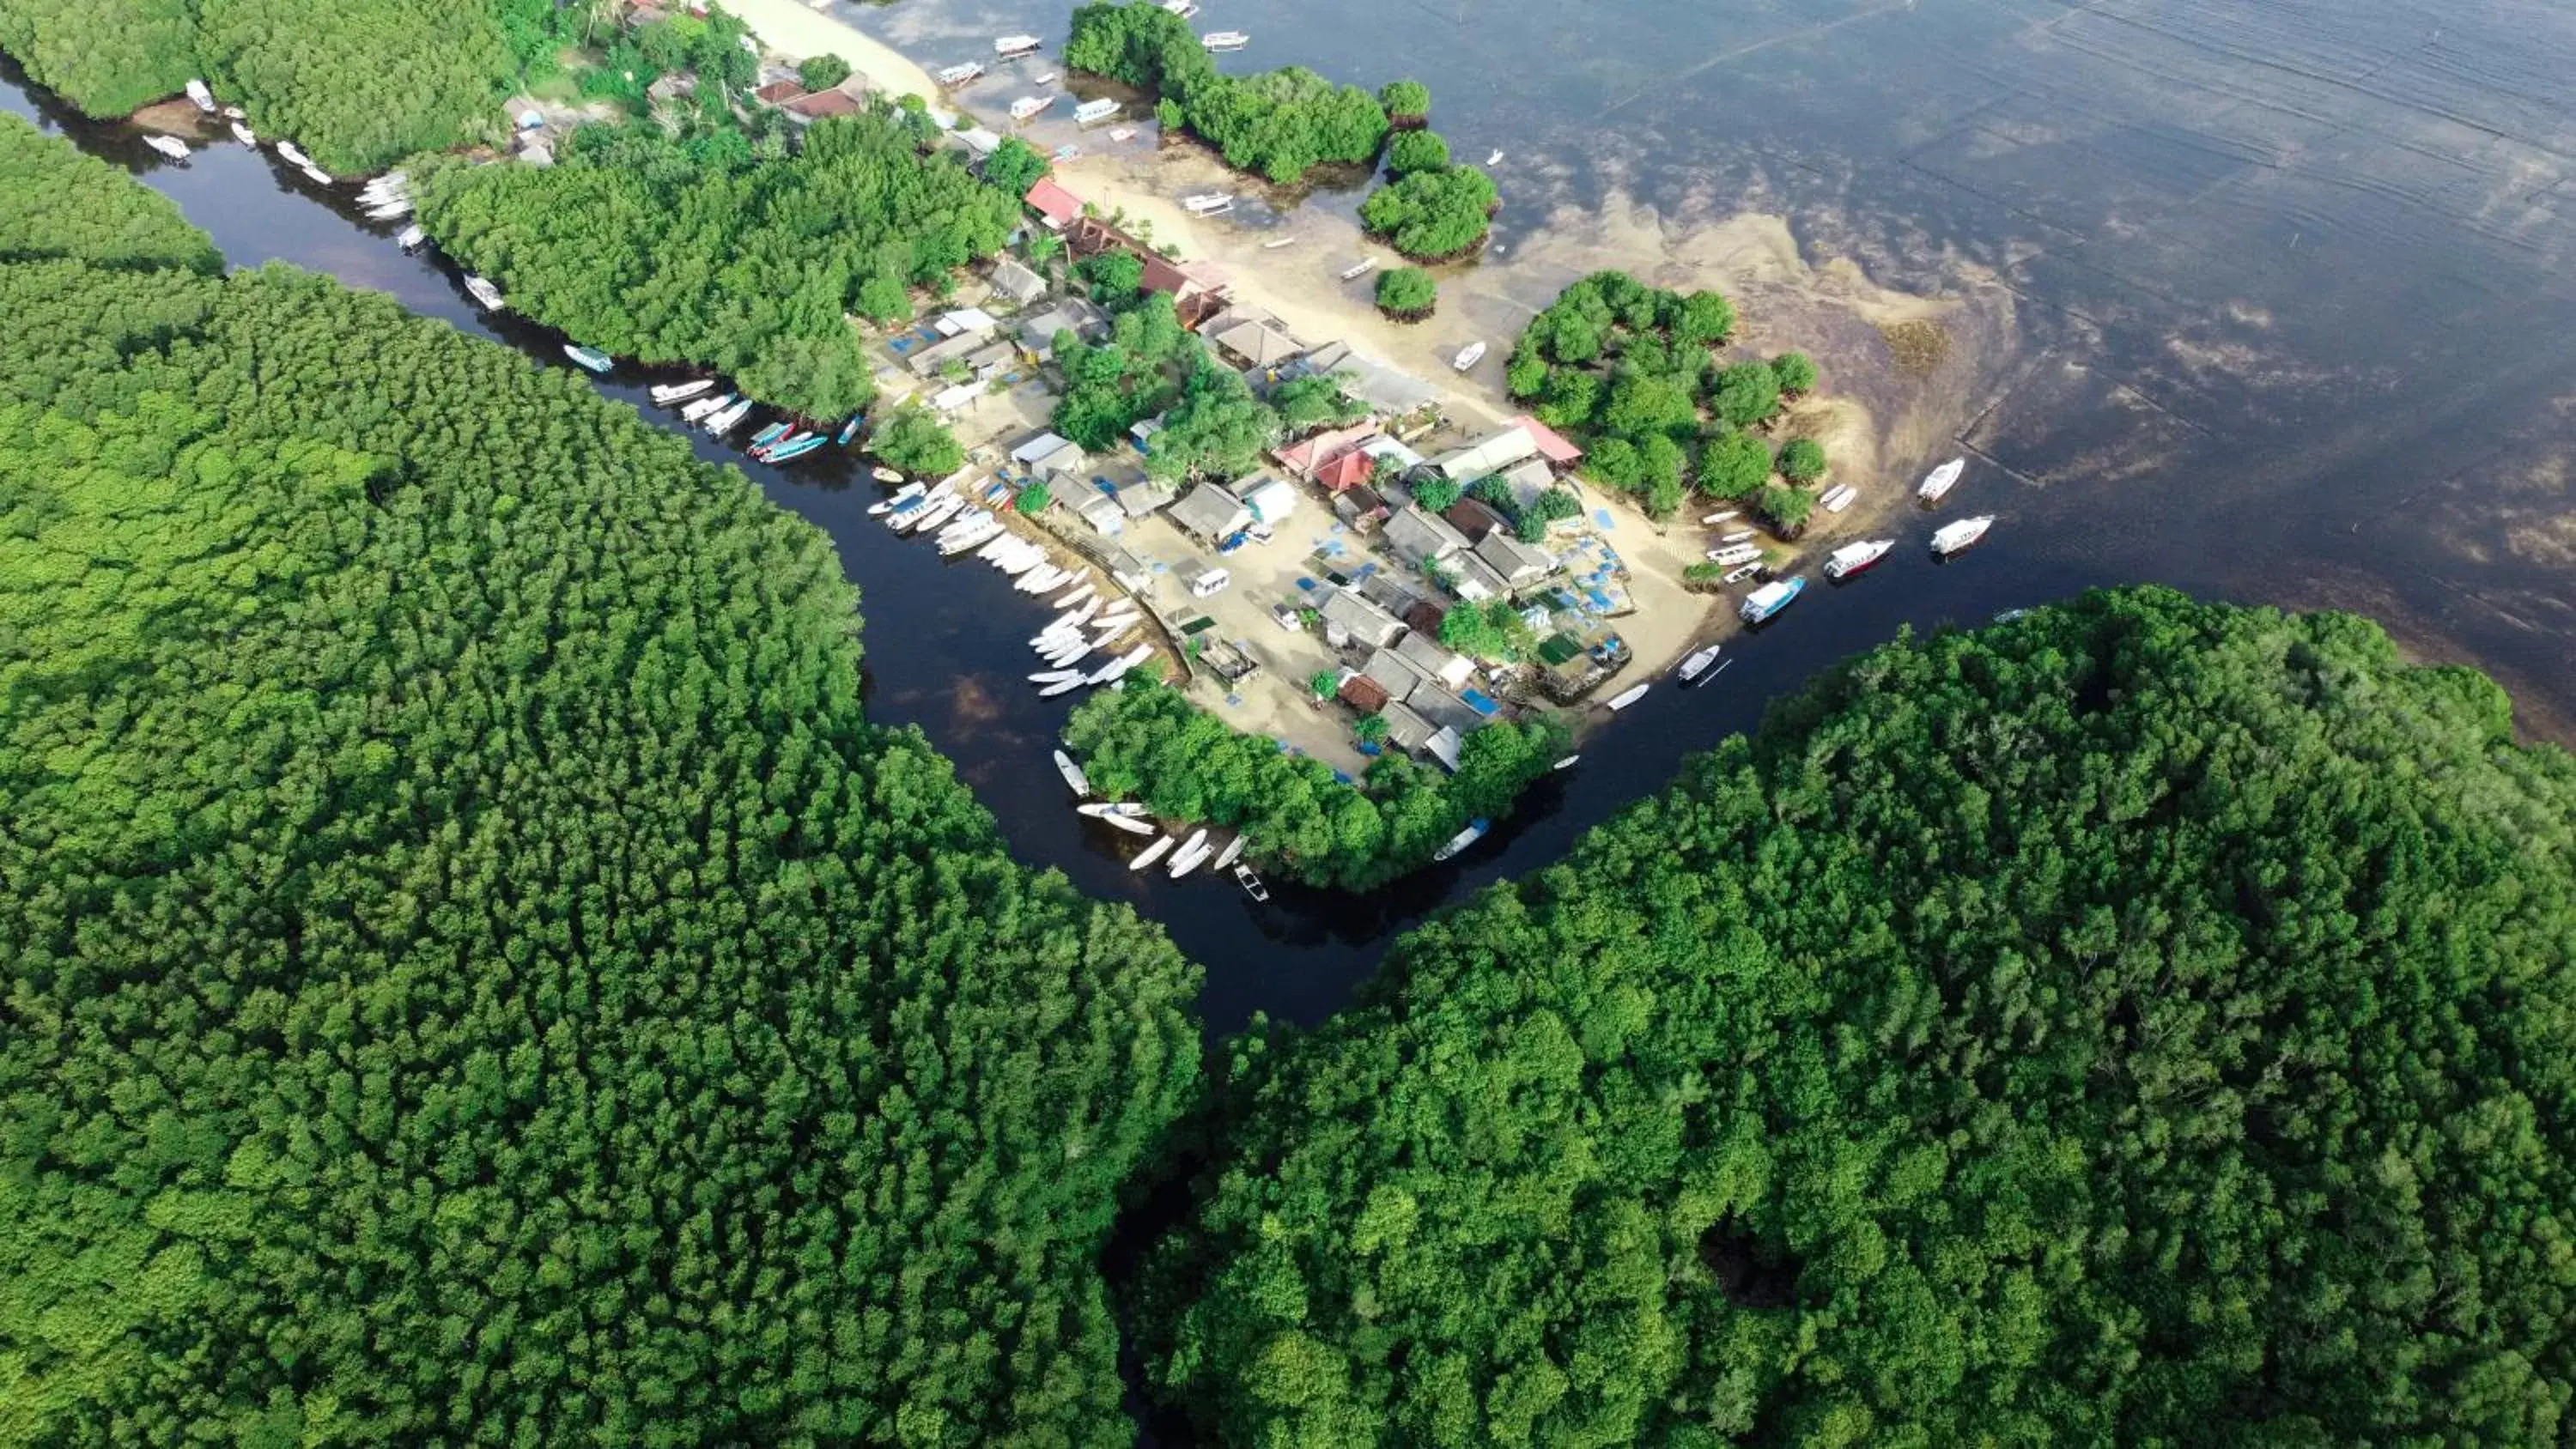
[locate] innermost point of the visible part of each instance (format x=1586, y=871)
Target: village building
x=1363, y=694
x=1050, y=453
x=980, y=142
x=1476, y=580
x=1527, y=479
x=1253, y=346
x=1069, y=314
x=1365, y=622
x=1211, y=512
x=1384, y=391
x=834, y=102
x=777, y=92
x=1474, y=519
x=1360, y=507
x=1016, y=282
x=962, y=321
x=1307, y=457
x=1100, y=511
x=1489, y=454
x=1552, y=445
x=1444, y=710
x=1517, y=564
x=1055, y=206
x=1394, y=673
x=1142, y=496
x=1405, y=730
x=1425, y=654
x=1418, y=537
x=1270, y=500
x=930, y=360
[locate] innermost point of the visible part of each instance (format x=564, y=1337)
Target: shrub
x=1407, y=294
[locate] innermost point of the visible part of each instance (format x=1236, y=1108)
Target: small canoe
x=1565, y=764
x=1722, y=515
x=795, y=448
x=1629, y=696
x=1358, y=270
x=848, y=430
x=1226, y=857
x=245, y=134
x=1251, y=883
x=1128, y=823
x=1154, y=852
x=317, y=175
x=1072, y=773
x=1066, y=687
x=885, y=475
x=1192, y=854
x=769, y=434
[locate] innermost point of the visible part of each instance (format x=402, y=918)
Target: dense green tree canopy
x=2143, y=1023
x=1015, y=166
x=1278, y=123
x=671, y=250
x=822, y=72
x=1405, y=100
x=357, y=83
x=1802, y=460
x=1407, y=294
x=473, y=975
x=1413, y=151
x=1433, y=215
x=913, y=440
x=65, y=204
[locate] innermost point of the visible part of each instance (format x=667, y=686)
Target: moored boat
x=1468, y=356
x=1186, y=9
x=1358, y=269
x=1953, y=537
x=1839, y=497
x=939, y=511
x=1092, y=113
x=1251, y=883
x=1192, y=854
x=793, y=449
x=1474, y=832
x=1072, y=773
x=705, y=405
x=1770, y=599
x=1028, y=106
x=293, y=156
x=411, y=238
x=1127, y=823
x=848, y=430
x=170, y=146
x=245, y=134
x=1698, y=662
x=1939, y=480
x=1852, y=558
x=1741, y=535
x=1012, y=47
x=1054, y=676
x=958, y=75
x=1741, y=573
x=1154, y=852
x=667, y=393
x=1066, y=687
x=1225, y=40
x=1207, y=203
x=1735, y=553
x=1722, y=515
x=1493, y=158
x=885, y=475
x=316, y=174
x=204, y=98
x=485, y=295
x=1226, y=856
x=1567, y=763
x=725, y=419
x=1628, y=696
x=769, y=434
x=900, y=497
x=590, y=357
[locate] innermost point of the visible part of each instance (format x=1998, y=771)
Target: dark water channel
x=2290, y=328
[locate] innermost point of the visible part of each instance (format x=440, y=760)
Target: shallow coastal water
x=2286, y=327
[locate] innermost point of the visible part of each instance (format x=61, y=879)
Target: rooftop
x=1059, y=206
x=1210, y=511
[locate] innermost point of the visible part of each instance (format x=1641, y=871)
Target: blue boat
x=848, y=430
x=769, y=435
x=590, y=357
x=797, y=449
x=1770, y=599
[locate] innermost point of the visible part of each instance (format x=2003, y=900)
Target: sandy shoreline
x=1882, y=418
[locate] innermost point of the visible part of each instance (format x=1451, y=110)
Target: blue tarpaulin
x=1479, y=701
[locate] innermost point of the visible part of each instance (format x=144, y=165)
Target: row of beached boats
x=719, y=413
x=1186, y=853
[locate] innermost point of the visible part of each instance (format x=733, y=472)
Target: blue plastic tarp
x=1479, y=701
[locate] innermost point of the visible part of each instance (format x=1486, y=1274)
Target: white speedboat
x=1770, y=599
x=204, y=98
x=411, y=238
x=1953, y=537
x=1072, y=773
x=704, y=406
x=1128, y=823
x=316, y=174
x=170, y=146
x=1222, y=41
x=666, y=393
x=952, y=543
x=885, y=475
x=1192, y=854
x=489, y=298
x=1207, y=203
x=1186, y=9
x=1939, y=480
x=1629, y=696
x=890, y=503
x=1132, y=809
x=940, y=511
x=1027, y=107
x=1698, y=662
x=724, y=420
x=1092, y=113
x=293, y=156
x=1852, y=558
x=245, y=134
x=1468, y=356
x=1154, y=852
x=1012, y=47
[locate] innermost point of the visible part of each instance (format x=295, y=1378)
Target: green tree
x=1013, y=168
x=1733, y=465
x=1412, y=151
x=1033, y=499
x=1703, y=319
x=1795, y=372
x=1370, y=729
x=1784, y=510
x=1405, y=101
x=1433, y=215
x=1115, y=277
x=911, y=439
x=1323, y=684
x=1802, y=460
x=822, y=72
x=1407, y=294
x=1746, y=394
x=1436, y=495
x=1314, y=400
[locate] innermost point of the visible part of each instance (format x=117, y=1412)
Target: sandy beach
x=789, y=27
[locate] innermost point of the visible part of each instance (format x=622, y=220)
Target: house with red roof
x=1560, y=453
x=1055, y=206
